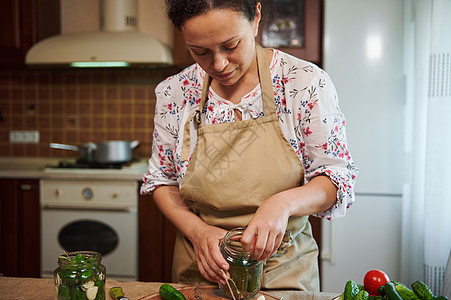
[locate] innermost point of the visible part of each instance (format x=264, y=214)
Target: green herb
x=245, y=280
x=80, y=277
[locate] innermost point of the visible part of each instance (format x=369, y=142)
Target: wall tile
x=77, y=106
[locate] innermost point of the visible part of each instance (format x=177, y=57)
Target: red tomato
x=373, y=280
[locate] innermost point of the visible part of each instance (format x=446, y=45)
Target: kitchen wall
x=77, y=106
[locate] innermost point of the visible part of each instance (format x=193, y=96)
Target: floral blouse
x=307, y=107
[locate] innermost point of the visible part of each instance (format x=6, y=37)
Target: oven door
x=112, y=233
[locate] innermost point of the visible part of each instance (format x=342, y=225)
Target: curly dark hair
x=179, y=11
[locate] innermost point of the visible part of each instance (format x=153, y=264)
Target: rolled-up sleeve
x=323, y=130
x=162, y=170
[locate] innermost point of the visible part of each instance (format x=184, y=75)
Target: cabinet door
x=181, y=54
x=156, y=242
x=22, y=24
x=150, y=235
x=20, y=228
x=294, y=27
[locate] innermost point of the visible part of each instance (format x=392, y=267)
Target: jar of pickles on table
x=245, y=273
x=80, y=275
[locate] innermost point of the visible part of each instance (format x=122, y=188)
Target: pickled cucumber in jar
x=80, y=275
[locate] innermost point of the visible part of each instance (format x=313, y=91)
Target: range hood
x=117, y=44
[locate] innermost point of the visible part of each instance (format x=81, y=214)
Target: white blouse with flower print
x=307, y=107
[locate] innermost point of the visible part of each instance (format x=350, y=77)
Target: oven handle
x=69, y=206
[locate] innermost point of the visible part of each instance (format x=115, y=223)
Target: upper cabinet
x=292, y=26
x=22, y=24
x=181, y=54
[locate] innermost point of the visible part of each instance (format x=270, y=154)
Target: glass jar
x=80, y=275
x=245, y=272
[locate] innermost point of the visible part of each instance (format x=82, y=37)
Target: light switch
x=24, y=136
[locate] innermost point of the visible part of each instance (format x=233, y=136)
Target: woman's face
x=222, y=42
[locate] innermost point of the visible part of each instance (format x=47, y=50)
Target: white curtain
x=426, y=216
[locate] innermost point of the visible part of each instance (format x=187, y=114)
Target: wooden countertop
x=43, y=289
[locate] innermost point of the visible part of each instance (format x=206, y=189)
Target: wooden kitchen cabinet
x=20, y=253
x=156, y=242
x=308, y=17
x=22, y=24
x=310, y=50
x=181, y=54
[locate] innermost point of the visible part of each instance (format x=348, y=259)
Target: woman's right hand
x=205, y=238
x=210, y=261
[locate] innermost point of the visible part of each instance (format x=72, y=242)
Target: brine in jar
x=245, y=273
x=80, y=275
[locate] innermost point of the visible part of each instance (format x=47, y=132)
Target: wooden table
x=12, y=288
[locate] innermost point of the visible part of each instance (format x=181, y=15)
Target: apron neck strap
x=265, y=82
x=267, y=94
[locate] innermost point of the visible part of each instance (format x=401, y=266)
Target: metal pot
x=108, y=152
x=85, y=152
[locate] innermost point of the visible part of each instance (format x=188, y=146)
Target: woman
x=246, y=137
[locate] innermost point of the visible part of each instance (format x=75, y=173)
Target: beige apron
x=234, y=168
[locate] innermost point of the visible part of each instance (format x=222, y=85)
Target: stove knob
x=87, y=193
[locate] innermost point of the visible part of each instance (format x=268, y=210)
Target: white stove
x=92, y=209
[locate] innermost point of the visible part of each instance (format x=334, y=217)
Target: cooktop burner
x=88, y=165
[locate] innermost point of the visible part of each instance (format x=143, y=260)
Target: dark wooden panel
x=170, y=232
x=46, y=19
x=151, y=240
x=156, y=242
x=2, y=242
x=10, y=46
x=20, y=252
x=9, y=226
x=316, y=230
x=29, y=246
x=22, y=24
x=181, y=54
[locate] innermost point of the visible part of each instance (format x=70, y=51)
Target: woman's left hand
x=265, y=231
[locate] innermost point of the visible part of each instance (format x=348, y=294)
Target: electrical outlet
x=24, y=136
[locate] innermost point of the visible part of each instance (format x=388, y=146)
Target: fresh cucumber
x=391, y=292
x=422, y=290
x=381, y=290
x=404, y=291
x=351, y=290
x=362, y=295
x=168, y=292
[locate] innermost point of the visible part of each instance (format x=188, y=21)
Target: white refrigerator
x=363, y=54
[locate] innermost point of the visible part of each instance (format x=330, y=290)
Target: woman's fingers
x=260, y=245
x=210, y=270
x=209, y=258
x=248, y=239
x=266, y=229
